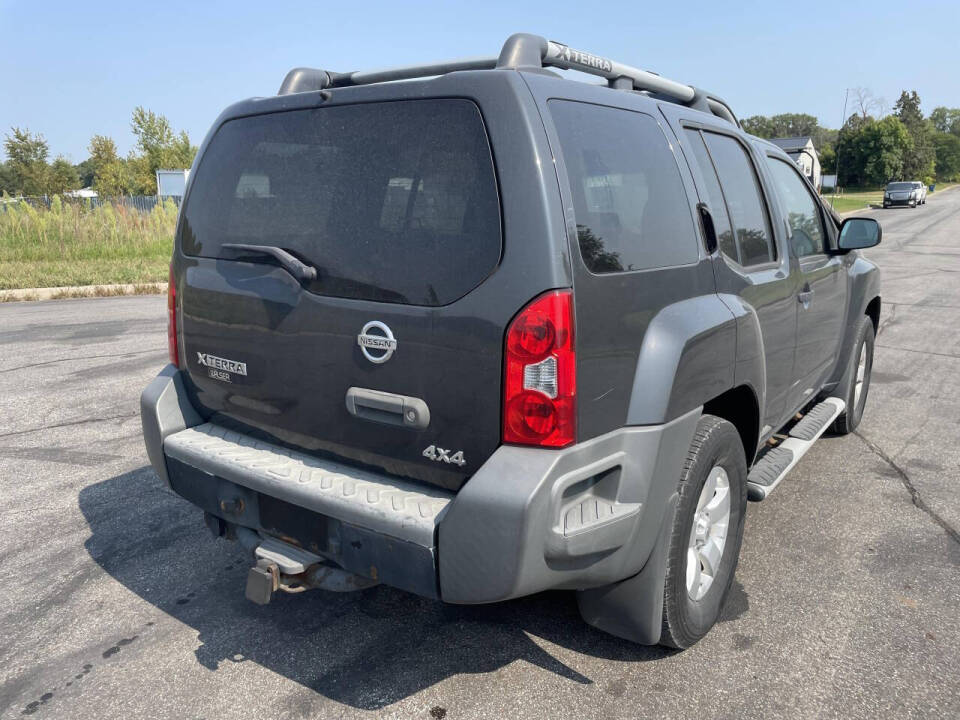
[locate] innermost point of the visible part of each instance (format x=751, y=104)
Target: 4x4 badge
x=376, y=341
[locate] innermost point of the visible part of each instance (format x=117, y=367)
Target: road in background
x=116, y=602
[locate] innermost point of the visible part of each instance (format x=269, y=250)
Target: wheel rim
x=861, y=375
x=708, y=535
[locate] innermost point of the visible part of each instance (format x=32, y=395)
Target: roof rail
x=523, y=51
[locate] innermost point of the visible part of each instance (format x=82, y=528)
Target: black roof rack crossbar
x=522, y=51
x=307, y=79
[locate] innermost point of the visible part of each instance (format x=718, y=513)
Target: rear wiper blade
x=300, y=270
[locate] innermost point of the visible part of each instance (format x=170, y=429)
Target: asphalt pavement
x=116, y=602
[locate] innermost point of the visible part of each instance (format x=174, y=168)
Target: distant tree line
x=873, y=148
x=29, y=171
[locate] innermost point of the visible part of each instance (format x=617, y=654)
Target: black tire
x=686, y=620
x=850, y=418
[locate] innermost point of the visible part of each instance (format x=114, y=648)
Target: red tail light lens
x=172, y=320
x=540, y=382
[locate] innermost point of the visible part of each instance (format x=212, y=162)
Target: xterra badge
x=220, y=368
x=381, y=342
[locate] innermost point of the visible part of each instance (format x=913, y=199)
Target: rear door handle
x=388, y=408
x=805, y=296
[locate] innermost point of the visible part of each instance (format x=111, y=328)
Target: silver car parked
x=921, y=192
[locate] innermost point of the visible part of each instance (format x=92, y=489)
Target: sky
x=72, y=70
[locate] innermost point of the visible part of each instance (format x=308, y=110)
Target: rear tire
x=704, y=551
x=856, y=383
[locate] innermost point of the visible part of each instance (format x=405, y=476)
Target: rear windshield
x=900, y=186
x=393, y=201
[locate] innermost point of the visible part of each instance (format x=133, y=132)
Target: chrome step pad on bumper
x=387, y=505
x=776, y=462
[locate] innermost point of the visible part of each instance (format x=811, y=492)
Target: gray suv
x=477, y=330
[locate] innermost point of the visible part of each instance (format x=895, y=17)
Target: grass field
x=72, y=244
x=862, y=199
x=858, y=200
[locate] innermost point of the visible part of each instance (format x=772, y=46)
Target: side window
x=629, y=201
x=713, y=196
x=748, y=214
x=803, y=215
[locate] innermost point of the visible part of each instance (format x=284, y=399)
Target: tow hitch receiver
x=262, y=580
x=281, y=566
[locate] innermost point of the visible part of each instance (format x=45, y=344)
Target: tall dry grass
x=75, y=244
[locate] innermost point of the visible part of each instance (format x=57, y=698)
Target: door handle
x=805, y=296
x=384, y=407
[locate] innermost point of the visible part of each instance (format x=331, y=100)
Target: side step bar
x=774, y=463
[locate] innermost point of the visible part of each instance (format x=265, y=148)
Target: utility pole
x=843, y=120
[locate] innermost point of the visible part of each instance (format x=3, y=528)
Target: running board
x=776, y=462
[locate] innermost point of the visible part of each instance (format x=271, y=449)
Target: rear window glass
x=744, y=200
x=394, y=201
x=628, y=198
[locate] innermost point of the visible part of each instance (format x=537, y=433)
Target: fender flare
x=688, y=356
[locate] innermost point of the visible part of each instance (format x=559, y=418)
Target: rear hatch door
x=392, y=355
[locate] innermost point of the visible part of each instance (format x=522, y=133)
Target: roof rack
x=524, y=51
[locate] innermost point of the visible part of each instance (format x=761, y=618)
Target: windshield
x=900, y=186
x=392, y=201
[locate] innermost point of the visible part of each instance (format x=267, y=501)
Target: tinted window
x=803, y=214
x=391, y=201
x=630, y=205
x=744, y=200
x=713, y=196
x=900, y=186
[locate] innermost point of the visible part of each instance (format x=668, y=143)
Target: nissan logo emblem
x=376, y=342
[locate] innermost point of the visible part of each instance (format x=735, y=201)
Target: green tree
x=758, y=125
x=794, y=125
x=783, y=125
x=85, y=172
x=158, y=147
x=27, y=161
x=947, y=147
x=7, y=180
x=871, y=152
x=828, y=159
x=110, y=175
x=946, y=120
x=62, y=177
x=884, y=146
x=918, y=162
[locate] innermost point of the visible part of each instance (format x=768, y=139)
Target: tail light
x=172, y=347
x=540, y=384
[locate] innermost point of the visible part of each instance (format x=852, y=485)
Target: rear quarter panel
x=651, y=344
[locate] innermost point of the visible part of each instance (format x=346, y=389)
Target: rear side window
x=393, y=201
x=713, y=196
x=803, y=214
x=748, y=214
x=629, y=201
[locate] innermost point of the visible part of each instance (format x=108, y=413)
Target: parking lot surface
x=116, y=602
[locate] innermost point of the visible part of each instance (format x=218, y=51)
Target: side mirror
x=857, y=233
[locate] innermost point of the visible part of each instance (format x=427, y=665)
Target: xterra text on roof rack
x=492, y=331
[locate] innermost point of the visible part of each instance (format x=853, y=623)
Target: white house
x=804, y=154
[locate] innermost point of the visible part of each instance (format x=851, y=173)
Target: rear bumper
x=527, y=520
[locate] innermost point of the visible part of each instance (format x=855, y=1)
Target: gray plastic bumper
x=581, y=517
x=165, y=410
x=528, y=520
x=388, y=505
